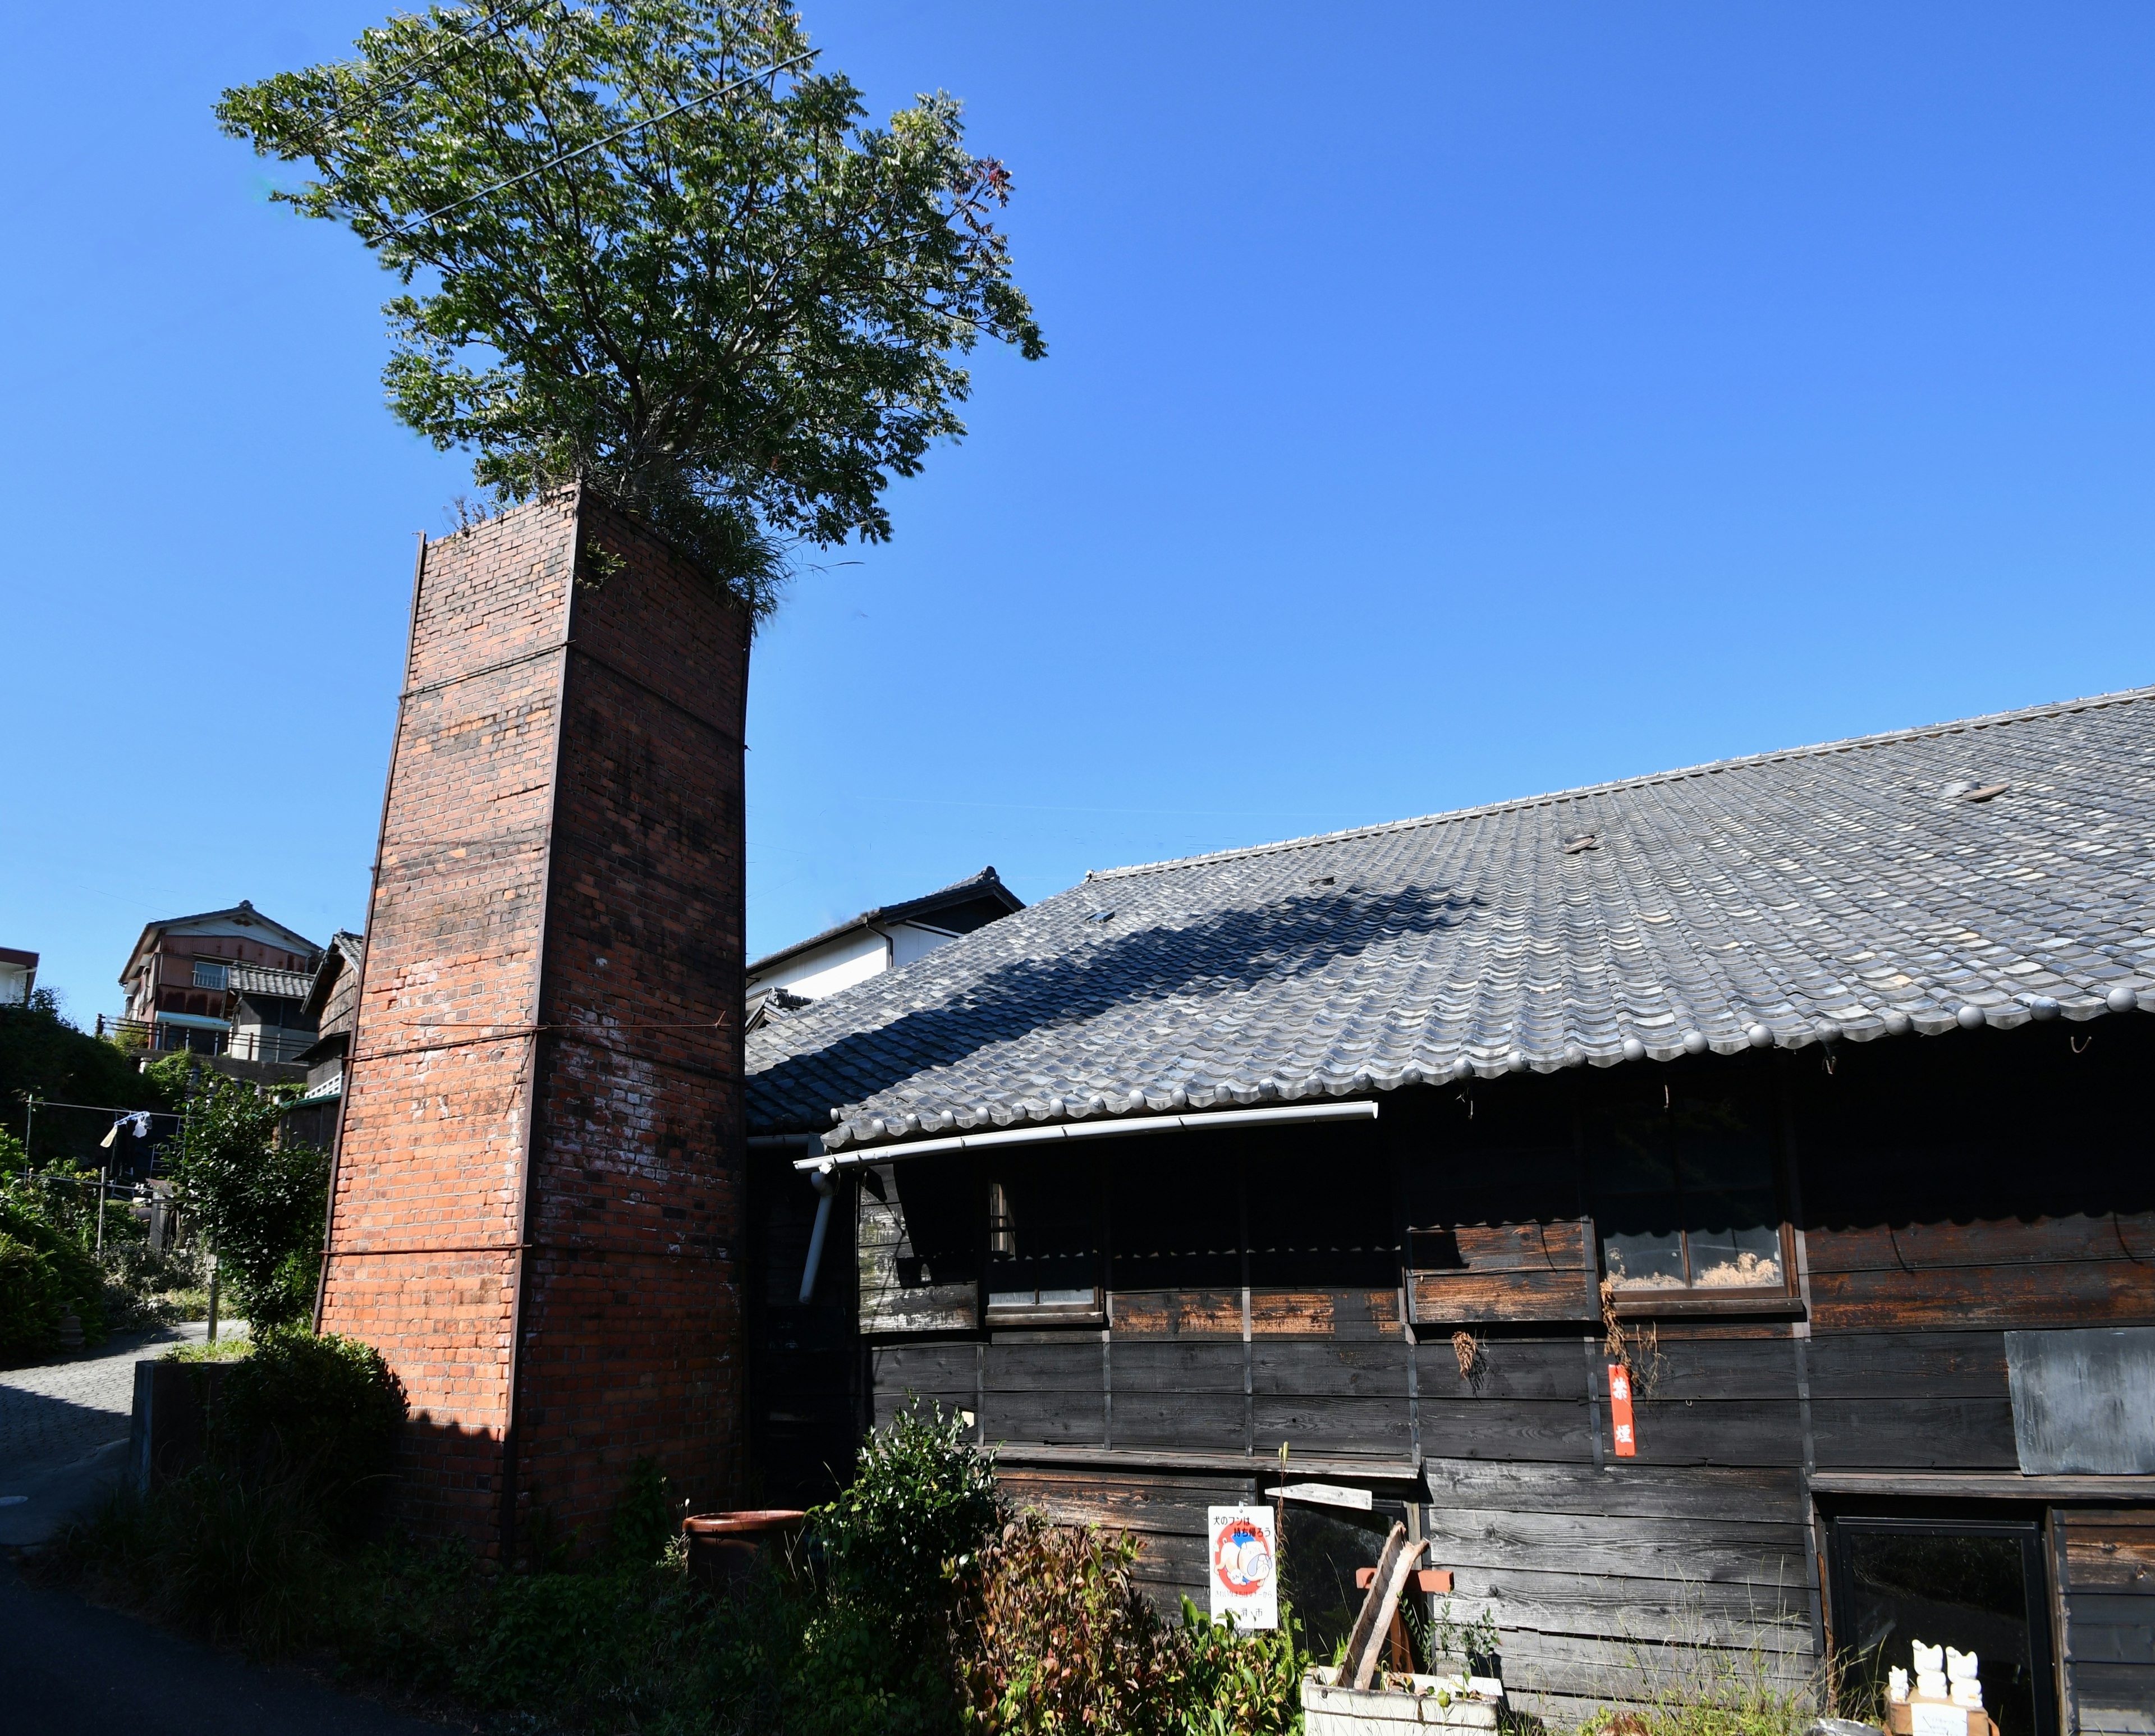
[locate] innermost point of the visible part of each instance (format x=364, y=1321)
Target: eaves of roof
x=1847, y=891
x=985, y=884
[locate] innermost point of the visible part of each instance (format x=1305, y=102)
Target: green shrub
x=922, y=1495
x=79, y=1284
x=259, y=1199
x=30, y=1302
x=1053, y=1636
x=324, y=1409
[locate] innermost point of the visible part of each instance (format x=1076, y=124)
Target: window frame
x=998, y=1220
x=1783, y=1300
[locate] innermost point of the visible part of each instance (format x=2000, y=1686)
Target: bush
x=259, y=1199
x=1054, y=1635
x=30, y=1302
x=922, y=1495
x=324, y=1410
x=76, y=1282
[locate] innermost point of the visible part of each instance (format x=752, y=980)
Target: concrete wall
x=538, y=1195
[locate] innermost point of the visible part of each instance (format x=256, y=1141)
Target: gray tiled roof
x=1851, y=890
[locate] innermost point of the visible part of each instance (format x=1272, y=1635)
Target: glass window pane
x=1735, y=1240
x=1011, y=1298
x=1643, y=1259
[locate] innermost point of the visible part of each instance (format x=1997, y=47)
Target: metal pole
x=212, y=1298
x=104, y=1171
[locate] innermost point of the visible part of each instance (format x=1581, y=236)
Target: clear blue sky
x=1445, y=403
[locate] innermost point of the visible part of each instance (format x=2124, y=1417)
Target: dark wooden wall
x=1940, y=1191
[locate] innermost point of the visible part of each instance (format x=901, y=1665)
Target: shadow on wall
x=1022, y=1002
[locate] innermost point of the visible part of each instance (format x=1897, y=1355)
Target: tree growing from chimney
x=648, y=247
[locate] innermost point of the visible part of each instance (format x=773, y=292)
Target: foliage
x=922, y=1497
x=321, y=1409
x=71, y=1284
x=30, y=1302
x=259, y=1199
x=1686, y=1684
x=42, y=1053
x=217, y=1552
x=1046, y=1631
x=1054, y=1635
x=1234, y=1684
x=667, y=258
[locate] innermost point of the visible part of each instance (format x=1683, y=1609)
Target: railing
x=273, y=1044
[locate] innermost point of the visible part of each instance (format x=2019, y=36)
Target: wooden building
x=1803, y=1097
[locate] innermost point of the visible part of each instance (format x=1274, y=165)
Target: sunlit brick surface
x=545, y=1092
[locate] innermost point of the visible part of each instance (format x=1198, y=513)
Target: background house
x=18, y=975
x=877, y=940
x=180, y=986
x=332, y=1004
x=1718, y=1208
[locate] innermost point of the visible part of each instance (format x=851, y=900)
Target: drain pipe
x=824, y=1179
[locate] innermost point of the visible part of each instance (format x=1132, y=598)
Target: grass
x=231, y=1343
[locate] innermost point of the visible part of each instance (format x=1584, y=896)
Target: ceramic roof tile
x=1842, y=891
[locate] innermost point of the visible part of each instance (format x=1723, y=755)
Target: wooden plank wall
x=1942, y=1191
x=2106, y=1559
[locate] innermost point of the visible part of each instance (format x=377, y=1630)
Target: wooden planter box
x=1402, y=1704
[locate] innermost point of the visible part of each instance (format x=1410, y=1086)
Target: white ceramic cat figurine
x=1961, y=1678
x=1896, y=1686
x=1930, y=1671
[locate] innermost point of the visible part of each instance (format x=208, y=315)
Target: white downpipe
x=823, y=1178
x=1360, y=1109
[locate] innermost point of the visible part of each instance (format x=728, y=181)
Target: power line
x=553, y=162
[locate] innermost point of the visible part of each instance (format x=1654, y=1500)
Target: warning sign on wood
x=1619, y=1410
x=1245, y=1576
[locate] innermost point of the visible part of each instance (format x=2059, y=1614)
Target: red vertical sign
x=1619, y=1410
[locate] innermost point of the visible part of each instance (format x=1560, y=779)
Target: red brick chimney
x=536, y=1211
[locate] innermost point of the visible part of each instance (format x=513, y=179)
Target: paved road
x=64, y=1429
x=70, y=1669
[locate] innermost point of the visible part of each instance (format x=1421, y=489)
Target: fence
x=272, y=1044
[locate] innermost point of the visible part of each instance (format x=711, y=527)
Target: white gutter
x=1358, y=1110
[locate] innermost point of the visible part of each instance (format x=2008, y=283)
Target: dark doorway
x=1977, y=1585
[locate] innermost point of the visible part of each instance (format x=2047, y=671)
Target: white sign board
x=1245, y=1560
x=1934, y=1719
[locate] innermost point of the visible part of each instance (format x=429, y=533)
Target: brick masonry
x=538, y=1197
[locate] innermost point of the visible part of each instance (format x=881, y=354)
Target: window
x=1686, y=1197
x=211, y=975
x=1043, y=1242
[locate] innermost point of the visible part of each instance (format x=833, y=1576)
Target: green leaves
x=657, y=259
x=260, y=1199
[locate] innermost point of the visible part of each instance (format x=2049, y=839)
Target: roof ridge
x=2027, y=714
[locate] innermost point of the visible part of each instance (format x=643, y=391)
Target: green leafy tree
x=260, y=1199
x=44, y=1055
x=661, y=255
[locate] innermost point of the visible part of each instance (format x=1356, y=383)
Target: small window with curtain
x=1044, y=1242
x=1686, y=1197
x=209, y=974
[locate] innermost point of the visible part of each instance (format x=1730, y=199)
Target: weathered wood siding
x=1941, y=1191
x=2106, y=1564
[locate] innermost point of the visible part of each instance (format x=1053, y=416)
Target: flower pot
x=725, y=1549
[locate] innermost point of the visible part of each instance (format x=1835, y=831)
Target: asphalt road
x=67, y=1669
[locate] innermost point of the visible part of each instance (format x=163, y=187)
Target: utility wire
x=554, y=162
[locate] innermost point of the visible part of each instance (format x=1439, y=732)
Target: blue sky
x=1445, y=403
